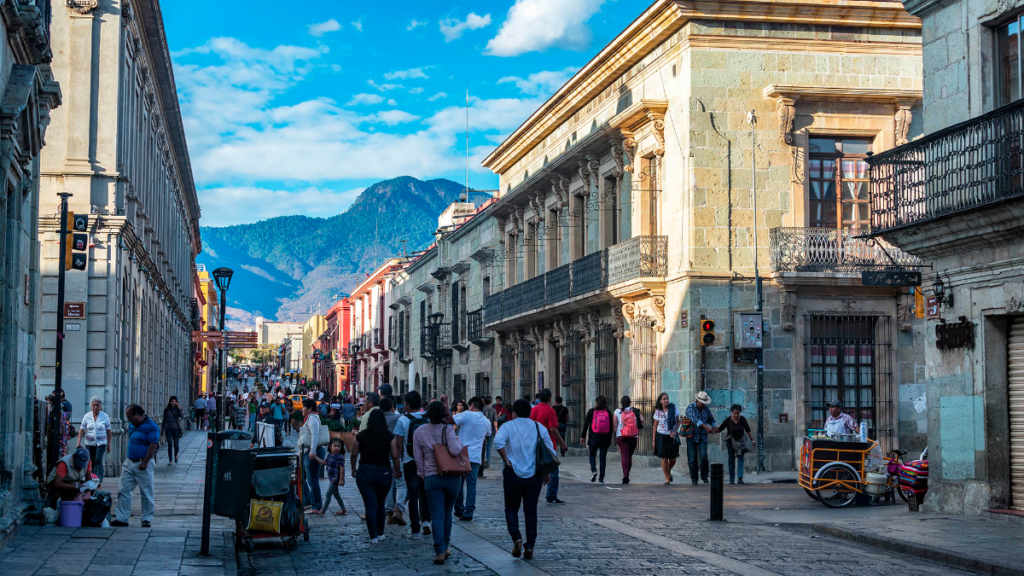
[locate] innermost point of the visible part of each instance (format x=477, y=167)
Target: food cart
x=834, y=471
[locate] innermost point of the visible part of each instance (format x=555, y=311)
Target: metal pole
x=221, y=360
x=204, y=548
x=759, y=296
x=717, y=492
x=56, y=410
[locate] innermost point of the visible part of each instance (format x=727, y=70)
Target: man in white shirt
x=516, y=442
x=417, y=496
x=474, y=428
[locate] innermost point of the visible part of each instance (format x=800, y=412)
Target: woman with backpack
x=598, y=425
x=665, y=446
x=628, y=424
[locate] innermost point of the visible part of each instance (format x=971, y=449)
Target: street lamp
x=222, y=277
x=939, y=290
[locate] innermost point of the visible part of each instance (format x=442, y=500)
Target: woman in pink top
x=441, y=490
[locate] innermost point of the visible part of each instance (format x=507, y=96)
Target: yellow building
x=211, y=318
x=311, y=330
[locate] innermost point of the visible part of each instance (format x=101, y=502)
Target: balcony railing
x=638, y=257
x=834, y=250
x=634, y=258
x=436, y=339
x=475, y=327
x=965, y=166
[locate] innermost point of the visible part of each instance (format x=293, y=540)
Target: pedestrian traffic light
x=79, y=222
x=707, y=332
x=77, y=252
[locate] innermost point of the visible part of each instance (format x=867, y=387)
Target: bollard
x=717, y=477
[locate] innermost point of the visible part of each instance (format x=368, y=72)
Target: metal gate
x=1015, y=359
x=849, y=359
x=482, y=386
x=508, y=362
x=606, y=356
x=527, y=369
x=643, y=358
x=459, y=389
x=574, y=391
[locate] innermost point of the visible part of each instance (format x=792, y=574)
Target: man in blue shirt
x=143, y=442
x=703, y=421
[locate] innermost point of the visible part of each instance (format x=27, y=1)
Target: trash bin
x=71, y=513
x=233, y=470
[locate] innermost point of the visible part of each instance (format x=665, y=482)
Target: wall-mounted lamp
x=939, y=291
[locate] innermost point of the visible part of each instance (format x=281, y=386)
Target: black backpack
x=414, y=424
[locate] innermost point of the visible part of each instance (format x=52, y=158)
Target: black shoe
x=426, y=530
x=118, y=524
x=733, y=482
x=593, y=478
x=740, y=480
x=458, y=515
x=704, y=480
x=694, y=482
x=517, y=548
x=146, y=524
x=555, y=501
x=528, y=554
x=466, y=518
x=625, y=480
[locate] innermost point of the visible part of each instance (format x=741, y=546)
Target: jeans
x=735, y=468
x=396, y=496
x=96, y=454
x=594, y=449
x=374, y=483
x=697, y=457
x=418, y=506
x=441, y=492
x=552, y=494
x=467, y=484
x=626, y=448
x=526, y=491
x=486, y=452
x=311, y=468
x=131, y=477
x=172, y=444
x=332, y=491
x=252, y=421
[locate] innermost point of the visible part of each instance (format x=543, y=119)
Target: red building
x=331, y=363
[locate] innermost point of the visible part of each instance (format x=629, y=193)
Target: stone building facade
x=954, y=198
x=268, y=332
x=311, y=331
x=29, y=93
x=626, y=214
x=118, y=147
x=370, y=358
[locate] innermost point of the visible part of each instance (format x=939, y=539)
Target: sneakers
x=415, y=536
x=740, y=480
x=517, y=549
x=380, y=538
x=118, y=524
x=466, y=518
x=556, y=501
x=374, y=540
x=528, y=554
x=170, y=463
x=593, y=478
x=625, y=480
x=146, y=524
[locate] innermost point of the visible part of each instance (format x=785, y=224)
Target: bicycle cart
x=834, y=472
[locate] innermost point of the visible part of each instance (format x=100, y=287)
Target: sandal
x=341, y=513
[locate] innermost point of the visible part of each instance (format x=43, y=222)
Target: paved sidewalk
x=169, y=548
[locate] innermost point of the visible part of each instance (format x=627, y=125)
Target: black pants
x=374, y=483
x=527, y=492
x=594, y=449
x=419, y=508
x=172, y=444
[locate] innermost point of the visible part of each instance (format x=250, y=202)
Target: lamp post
x=222, y=277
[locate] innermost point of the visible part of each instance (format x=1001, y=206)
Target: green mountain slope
x=287, y=266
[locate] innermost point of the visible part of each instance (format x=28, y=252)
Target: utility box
x=750, y=332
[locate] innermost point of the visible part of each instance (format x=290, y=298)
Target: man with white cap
x=697, y=444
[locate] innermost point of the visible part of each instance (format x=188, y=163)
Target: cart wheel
x=291, y=544
x=903, y=495
x=305, y=530
x=840, y=480
x=249, y=547
x=811, y=494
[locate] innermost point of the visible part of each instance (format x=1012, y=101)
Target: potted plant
x=337, y=429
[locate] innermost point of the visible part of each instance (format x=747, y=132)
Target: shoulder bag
x=448, y=465
x=547, y=462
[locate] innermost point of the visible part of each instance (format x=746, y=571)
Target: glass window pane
x=1009, y=62
x=828, y=190
x=828, y=168
x=850, y=190
x=862, y=169
x=849, y=169
x=815, y=168
x=848, y=212
x=856, y=146
x=863, y=212
x=815, y=190
x=827, y=145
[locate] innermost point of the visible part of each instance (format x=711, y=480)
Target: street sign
x=72, y=327
x=931, y=307
x=74, y=310
x=890, y=278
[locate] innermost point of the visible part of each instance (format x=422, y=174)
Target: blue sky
x=295, y=108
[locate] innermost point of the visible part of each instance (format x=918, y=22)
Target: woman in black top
x=375, y=451
x=172, y=428
x=600, y=425
x=734, y=427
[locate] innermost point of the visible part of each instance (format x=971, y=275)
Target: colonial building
x=29, y=94
x=332, y=368
x=627, y=213
x=955, y=199
x=370, y=358
x=209, y=320
x=268, y=332
x=311, y=332
x=118, y=148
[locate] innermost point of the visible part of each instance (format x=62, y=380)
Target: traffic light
x=707, y=332
x=79, y=222
x=77, y=245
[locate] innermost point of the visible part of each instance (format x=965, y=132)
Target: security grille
x=527, y=363
x=459, y=389
x=482, y=385
x=643, y=356
x=606, y=355
x=574, y=390
x=508, y=362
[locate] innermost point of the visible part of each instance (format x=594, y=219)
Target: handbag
x=448, y=465
x=547, y=462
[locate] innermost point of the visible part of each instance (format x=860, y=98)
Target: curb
x=230, y=555
x=920, y=550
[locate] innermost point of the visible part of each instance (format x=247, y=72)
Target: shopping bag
x=265, y=516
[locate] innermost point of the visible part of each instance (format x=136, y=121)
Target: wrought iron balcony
x=638, y=257
x=964, y=167
x=475, y=326
x=834, y=250
x=392, y=340
x=436, y=337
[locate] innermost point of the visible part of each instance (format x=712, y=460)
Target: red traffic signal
x=707, y=332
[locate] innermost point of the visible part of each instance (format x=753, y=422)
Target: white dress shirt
x=519, y=439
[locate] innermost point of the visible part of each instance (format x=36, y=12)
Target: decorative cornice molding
x=894, y=96
x=83, y=6
x=770, y=44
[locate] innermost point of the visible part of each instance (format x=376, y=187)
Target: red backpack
x=602, y=423
x=630, y=429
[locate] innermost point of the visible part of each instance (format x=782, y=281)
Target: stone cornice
x=770, y=44
x=639, y=114
x=895, y=96
x=658, y=23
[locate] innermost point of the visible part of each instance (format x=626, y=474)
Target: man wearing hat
x=697, y=444
x=67, y=477
x=838, y=421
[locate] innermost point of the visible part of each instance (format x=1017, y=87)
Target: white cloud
x=358, y=24
x=322, y=28
x=393, y=117
x=536, y=25
x=542, y=83
x=417, y=90
x=452, y=28
x=414, y=23
x=335, y=68
x=365, y=99
x=391, y=102
x=384, y=87
x=220, y=205
x=437, y=96
x=502, y=115
x=406, y=74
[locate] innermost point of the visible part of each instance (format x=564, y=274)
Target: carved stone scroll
x=903, y=118
x=617, y=153
x=788, y=310
x=584, y=171
x=658, y=304
x=629, y=311
x=83, y=6
x=629, y=149
x=787, y=113
x=620, y=328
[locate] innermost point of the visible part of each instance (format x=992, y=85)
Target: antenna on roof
x=464, y=197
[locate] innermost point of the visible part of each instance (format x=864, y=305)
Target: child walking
x=335, y=464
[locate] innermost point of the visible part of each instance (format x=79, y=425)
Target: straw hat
x=703, y=398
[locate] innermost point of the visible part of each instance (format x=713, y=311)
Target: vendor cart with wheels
x=834, y=472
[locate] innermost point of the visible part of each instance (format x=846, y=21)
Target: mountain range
x=288, y=267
